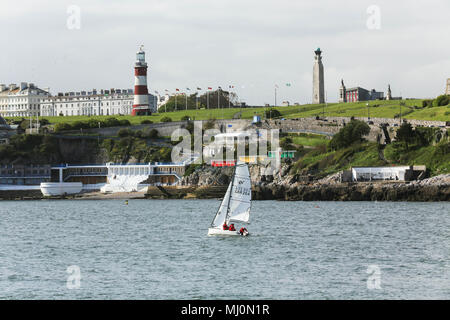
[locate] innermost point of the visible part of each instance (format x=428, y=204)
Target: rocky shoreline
x=283, y=186
x=207, y=183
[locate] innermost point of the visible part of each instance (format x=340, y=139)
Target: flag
x=288, y=84
x=209, y=88
x=188, y=89
x=177, y=89
x=199, y=88
x=231, y=87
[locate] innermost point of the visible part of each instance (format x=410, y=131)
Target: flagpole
x=186, y=100
x=275, y=96
x=176, y=94
x=207, y=99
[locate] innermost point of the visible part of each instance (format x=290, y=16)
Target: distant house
x=361, y=94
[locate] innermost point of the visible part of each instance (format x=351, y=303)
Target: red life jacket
x=232, y=228
x=225, y=227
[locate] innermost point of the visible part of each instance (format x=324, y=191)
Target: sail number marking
x=241, y=190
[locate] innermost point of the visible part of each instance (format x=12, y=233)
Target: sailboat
x=236, y=203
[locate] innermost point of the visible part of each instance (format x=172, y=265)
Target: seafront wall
x=329, y=126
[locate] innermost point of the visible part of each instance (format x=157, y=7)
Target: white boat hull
x=225, y=233
x=60, y=188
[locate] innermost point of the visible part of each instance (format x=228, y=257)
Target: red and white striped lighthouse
x=140, y=104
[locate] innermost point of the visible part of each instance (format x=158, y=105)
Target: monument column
x=342, y=92
x=318, y=80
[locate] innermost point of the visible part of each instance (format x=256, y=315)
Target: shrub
x=139, y=134
x=442, y=100
x=124, y=122
x=353, y=132
x=166, y=119
x=77, y=125
x=405, y=134
x=185, y=118
x=153, y=134
x=146, y=121
x=62, y=126
x=125, y=132
x=427, y=103
x=111, y=122
x=272, y=113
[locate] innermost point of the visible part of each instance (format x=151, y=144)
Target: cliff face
x=283, y=186
x=81, y=151
x=47, y=149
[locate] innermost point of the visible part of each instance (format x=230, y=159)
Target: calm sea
x=158, y=249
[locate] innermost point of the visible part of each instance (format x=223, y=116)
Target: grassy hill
x=379, y=109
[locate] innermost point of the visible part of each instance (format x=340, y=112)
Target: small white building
x=379, y=173
x=229, y=140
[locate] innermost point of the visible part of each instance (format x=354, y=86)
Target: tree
x=166, y=119
x=125, y=132
x=353, y=132
x=442, y=100
x=405, y=134
x=272, y=113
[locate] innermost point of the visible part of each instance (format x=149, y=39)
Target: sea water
x=159, y=249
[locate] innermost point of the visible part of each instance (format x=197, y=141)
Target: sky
x=250, y=44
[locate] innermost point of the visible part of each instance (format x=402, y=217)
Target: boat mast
x=231, y=191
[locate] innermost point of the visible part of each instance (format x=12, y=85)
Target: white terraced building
x=93, y=103
x=21, y=101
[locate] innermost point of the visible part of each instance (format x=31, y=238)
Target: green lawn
x=378, y=109
x=311, y=140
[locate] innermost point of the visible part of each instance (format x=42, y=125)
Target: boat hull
x=223, y=233
x=60, y=188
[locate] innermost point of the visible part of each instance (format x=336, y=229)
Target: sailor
x=232, y=227
x=225, y=227
x=243, y=231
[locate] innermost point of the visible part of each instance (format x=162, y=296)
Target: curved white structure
x=60, y=188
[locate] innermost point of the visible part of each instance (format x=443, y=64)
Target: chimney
x=2, y=87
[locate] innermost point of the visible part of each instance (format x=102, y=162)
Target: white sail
x=241, y=195
x=221, y=214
